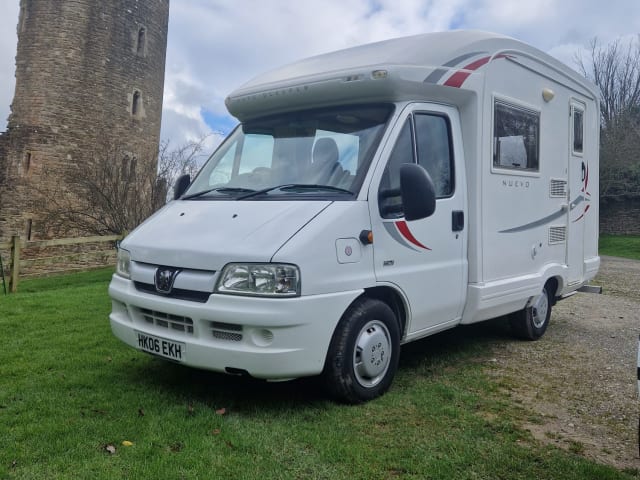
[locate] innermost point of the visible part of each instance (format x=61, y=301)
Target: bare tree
x=615, y=69
x=184, y=159
x=112, y=191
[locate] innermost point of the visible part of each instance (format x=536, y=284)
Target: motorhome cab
x=368, y=198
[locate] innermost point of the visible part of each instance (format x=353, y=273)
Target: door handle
x=457, y=220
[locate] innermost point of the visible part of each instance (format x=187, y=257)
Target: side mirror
x=181, y=185
x=418, y=192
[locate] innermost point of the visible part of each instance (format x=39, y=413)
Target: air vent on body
x=558, y=188
x=557, y=235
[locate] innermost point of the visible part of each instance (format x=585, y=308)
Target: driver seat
x=325, y=166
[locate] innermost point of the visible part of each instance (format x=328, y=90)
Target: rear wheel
x=531, y=322
x=364, y=352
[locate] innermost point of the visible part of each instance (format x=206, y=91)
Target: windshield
x=317, y=152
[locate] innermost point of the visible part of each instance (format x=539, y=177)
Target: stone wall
x=620, y=218
x=59, y=259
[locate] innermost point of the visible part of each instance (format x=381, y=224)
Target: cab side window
x=389, y=200
x=424, y=139
x=434, y=151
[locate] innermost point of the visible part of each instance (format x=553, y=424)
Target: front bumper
x=267, y=338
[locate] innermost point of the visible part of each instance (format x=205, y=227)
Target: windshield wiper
x=221, y=190
x=296, y=186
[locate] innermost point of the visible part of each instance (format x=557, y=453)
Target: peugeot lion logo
x=164, y=279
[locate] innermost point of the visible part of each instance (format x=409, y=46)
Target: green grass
x=68, y=388
x=627, y=246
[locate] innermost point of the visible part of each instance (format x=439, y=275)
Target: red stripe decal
x=583, y=213
x=457, y=79
x=403, y=228
x=586, y=178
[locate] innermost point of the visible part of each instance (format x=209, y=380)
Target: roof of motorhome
x=433, y=53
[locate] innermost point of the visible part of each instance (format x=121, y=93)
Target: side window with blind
x=425, y=139
x=516, y=137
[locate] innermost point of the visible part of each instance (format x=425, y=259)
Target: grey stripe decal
x=391, y=229
x=544, y=220
x=438, y=73
x=537, y=223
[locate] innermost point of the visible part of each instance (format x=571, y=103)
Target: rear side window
x=578, y=130
x=516, y=137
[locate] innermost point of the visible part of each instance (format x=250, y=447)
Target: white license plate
x=160, y=346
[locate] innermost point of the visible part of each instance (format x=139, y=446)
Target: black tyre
x=531, y=322
x=364, y=351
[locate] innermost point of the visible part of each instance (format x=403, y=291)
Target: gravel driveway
x=580, y=378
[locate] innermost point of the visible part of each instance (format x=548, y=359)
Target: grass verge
x=69, y=391
x=626, y=246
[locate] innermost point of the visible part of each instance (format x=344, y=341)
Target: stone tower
x=88, y=73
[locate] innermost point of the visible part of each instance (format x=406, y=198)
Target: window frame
x=410, y=120
x=523, y=108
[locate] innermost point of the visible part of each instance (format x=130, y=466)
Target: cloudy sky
x=216, y=45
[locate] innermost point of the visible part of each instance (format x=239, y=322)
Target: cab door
x=425, y=259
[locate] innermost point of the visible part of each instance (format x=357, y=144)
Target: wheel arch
x=553, y=286
x=395, y=300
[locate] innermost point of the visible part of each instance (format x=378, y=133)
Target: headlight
x=260, y=279
x=124, y=263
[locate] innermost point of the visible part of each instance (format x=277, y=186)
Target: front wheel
x=364, y=352
x=531, y=322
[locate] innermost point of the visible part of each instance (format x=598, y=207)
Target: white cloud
x=216, y=45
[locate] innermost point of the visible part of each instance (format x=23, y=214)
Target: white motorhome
x=371, y=197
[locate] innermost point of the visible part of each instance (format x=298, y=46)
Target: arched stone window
x=136, y=104
x=25, y=164
x=28, y=229
x=141, y=45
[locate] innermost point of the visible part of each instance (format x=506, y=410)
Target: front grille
x=177, y=293
x=168, y=320
x=226, y=331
